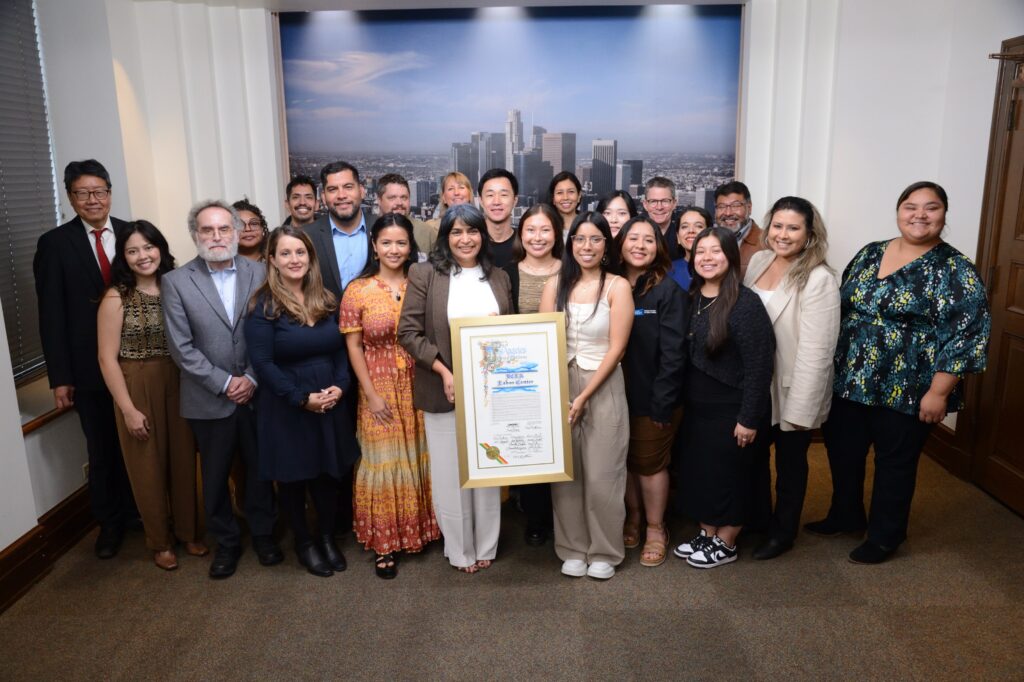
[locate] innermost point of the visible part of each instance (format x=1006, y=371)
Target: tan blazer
x=424, y=332
x=806, y=327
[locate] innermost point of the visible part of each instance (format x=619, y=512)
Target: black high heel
x=383, y=569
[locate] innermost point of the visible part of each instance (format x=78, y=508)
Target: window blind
x=28, y=204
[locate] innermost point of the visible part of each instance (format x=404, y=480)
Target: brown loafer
x=166, y=560
x=196, y=549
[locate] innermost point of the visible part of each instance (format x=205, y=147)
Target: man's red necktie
x=101, y=255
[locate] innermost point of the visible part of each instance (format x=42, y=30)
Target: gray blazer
x=207, y=345
x=424, y=332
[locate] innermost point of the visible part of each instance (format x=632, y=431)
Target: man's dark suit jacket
x=69, y=286
x=319, y=232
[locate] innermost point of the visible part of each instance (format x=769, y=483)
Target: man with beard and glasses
x=203, y=303
x=732, y=211
x=300, y=201
x=342, y=237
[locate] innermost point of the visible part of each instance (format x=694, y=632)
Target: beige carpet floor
x=949, y=606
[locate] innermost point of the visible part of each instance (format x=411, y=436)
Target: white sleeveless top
x=587, y=339
x=764, y=294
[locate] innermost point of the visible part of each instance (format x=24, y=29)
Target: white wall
x=845, y=102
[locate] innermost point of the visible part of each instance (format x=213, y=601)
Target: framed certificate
x=511, y=400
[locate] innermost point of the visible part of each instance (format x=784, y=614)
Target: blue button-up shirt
x=225, y=281
x=351, y=249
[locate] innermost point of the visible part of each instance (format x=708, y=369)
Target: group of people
x=697, y=346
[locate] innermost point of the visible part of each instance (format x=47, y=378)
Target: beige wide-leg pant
x=470, y=519
x=590, y=509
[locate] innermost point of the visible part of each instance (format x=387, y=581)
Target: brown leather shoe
x=166, y=560
x=196, y=549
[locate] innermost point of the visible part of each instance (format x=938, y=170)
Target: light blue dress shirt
x=225, y=281
x=352, y=250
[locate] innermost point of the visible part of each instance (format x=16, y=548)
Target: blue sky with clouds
x=657, y=78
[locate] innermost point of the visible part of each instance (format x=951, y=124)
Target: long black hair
x=660, y=266
x=442, y=257
x=121, y=276
x=382, y=223
x=571, y=271
x=728, y=289
x=549, y=212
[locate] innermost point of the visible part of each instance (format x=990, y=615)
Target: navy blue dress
x=291, y=361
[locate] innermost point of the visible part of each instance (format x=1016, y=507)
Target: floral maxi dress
x=393, y=510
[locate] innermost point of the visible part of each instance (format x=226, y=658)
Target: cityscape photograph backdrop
x=614, y=94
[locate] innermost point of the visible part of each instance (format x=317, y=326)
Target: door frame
x=955, y=449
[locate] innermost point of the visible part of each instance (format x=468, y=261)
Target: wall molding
x=30, y=558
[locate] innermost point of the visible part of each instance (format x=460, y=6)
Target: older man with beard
x=732, y=211
x=204, y=302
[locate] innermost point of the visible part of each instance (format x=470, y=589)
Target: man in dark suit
x=72, y=270
x=342, y=242
x=342, y=237
x=204, y=302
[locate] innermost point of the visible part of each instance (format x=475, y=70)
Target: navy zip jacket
x=655, y=357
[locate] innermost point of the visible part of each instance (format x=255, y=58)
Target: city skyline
x=461, y=71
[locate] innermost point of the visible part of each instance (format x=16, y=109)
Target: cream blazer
x=806, y=327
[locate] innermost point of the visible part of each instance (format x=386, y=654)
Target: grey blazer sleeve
x=181, y=343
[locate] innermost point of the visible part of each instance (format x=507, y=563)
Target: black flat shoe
x=535, y=536
x=225, y=561
x=267, y=550
x=331, y=553
x=771, y=549
x=870, y=553
x=827, y=528
x=310, y=557
x=386, y=566
x=108, y=542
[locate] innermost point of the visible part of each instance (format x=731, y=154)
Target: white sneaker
x=690, y=546
x=601, y=570
x=574, y=568
x=715, y=553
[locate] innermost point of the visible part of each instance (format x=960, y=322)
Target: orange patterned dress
x=393, y=510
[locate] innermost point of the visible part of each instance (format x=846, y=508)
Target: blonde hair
x=815, y=251
x=460, y=178
x=276, y=298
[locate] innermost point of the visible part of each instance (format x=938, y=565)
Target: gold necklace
x=700, y=299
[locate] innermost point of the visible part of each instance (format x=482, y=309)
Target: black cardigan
x=745, y=360
x=655, y=357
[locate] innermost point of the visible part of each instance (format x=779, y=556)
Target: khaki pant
x=162, y=469
x=590, y=509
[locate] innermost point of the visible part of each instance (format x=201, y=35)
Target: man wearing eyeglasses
x=732, y=211
x=660, y=205
x=204, y=302
x=72, y=270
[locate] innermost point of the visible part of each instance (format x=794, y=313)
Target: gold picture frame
x=511, y=400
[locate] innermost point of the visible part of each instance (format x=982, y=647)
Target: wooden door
x=998, y=462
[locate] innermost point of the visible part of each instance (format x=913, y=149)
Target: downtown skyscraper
x=513, y=137
x=559, y=150
x=605, y=153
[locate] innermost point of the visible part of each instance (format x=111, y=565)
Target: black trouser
x=292, y=497
x=535, y=500
x=110, y=493
x=790, y=480
x=218, y=440
x=759, y=496
x=898, y=439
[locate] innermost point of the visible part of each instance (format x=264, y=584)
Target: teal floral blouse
x=929, y=316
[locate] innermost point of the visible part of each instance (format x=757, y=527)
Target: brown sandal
x=653, y=553
x=631, y=533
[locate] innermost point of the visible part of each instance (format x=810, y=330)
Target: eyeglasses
x=223, y=231
x=254, y=224
x=580, y=240
x=84, y=194
x=734, y=206
x=659, y=202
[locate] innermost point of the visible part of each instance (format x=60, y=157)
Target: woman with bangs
x=692, y=221
x=537, y=253
x=618, y=208
x=458, y=281
x=392, y=506
x=726, y=398
x=653, y=368
x=801, y=295
x=300, y=361
x=158, y=446
x=589, y=511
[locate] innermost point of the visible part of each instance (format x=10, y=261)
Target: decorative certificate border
x=511, y=400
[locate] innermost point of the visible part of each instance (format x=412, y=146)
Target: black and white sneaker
x=711, y=554
x=690, y=546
